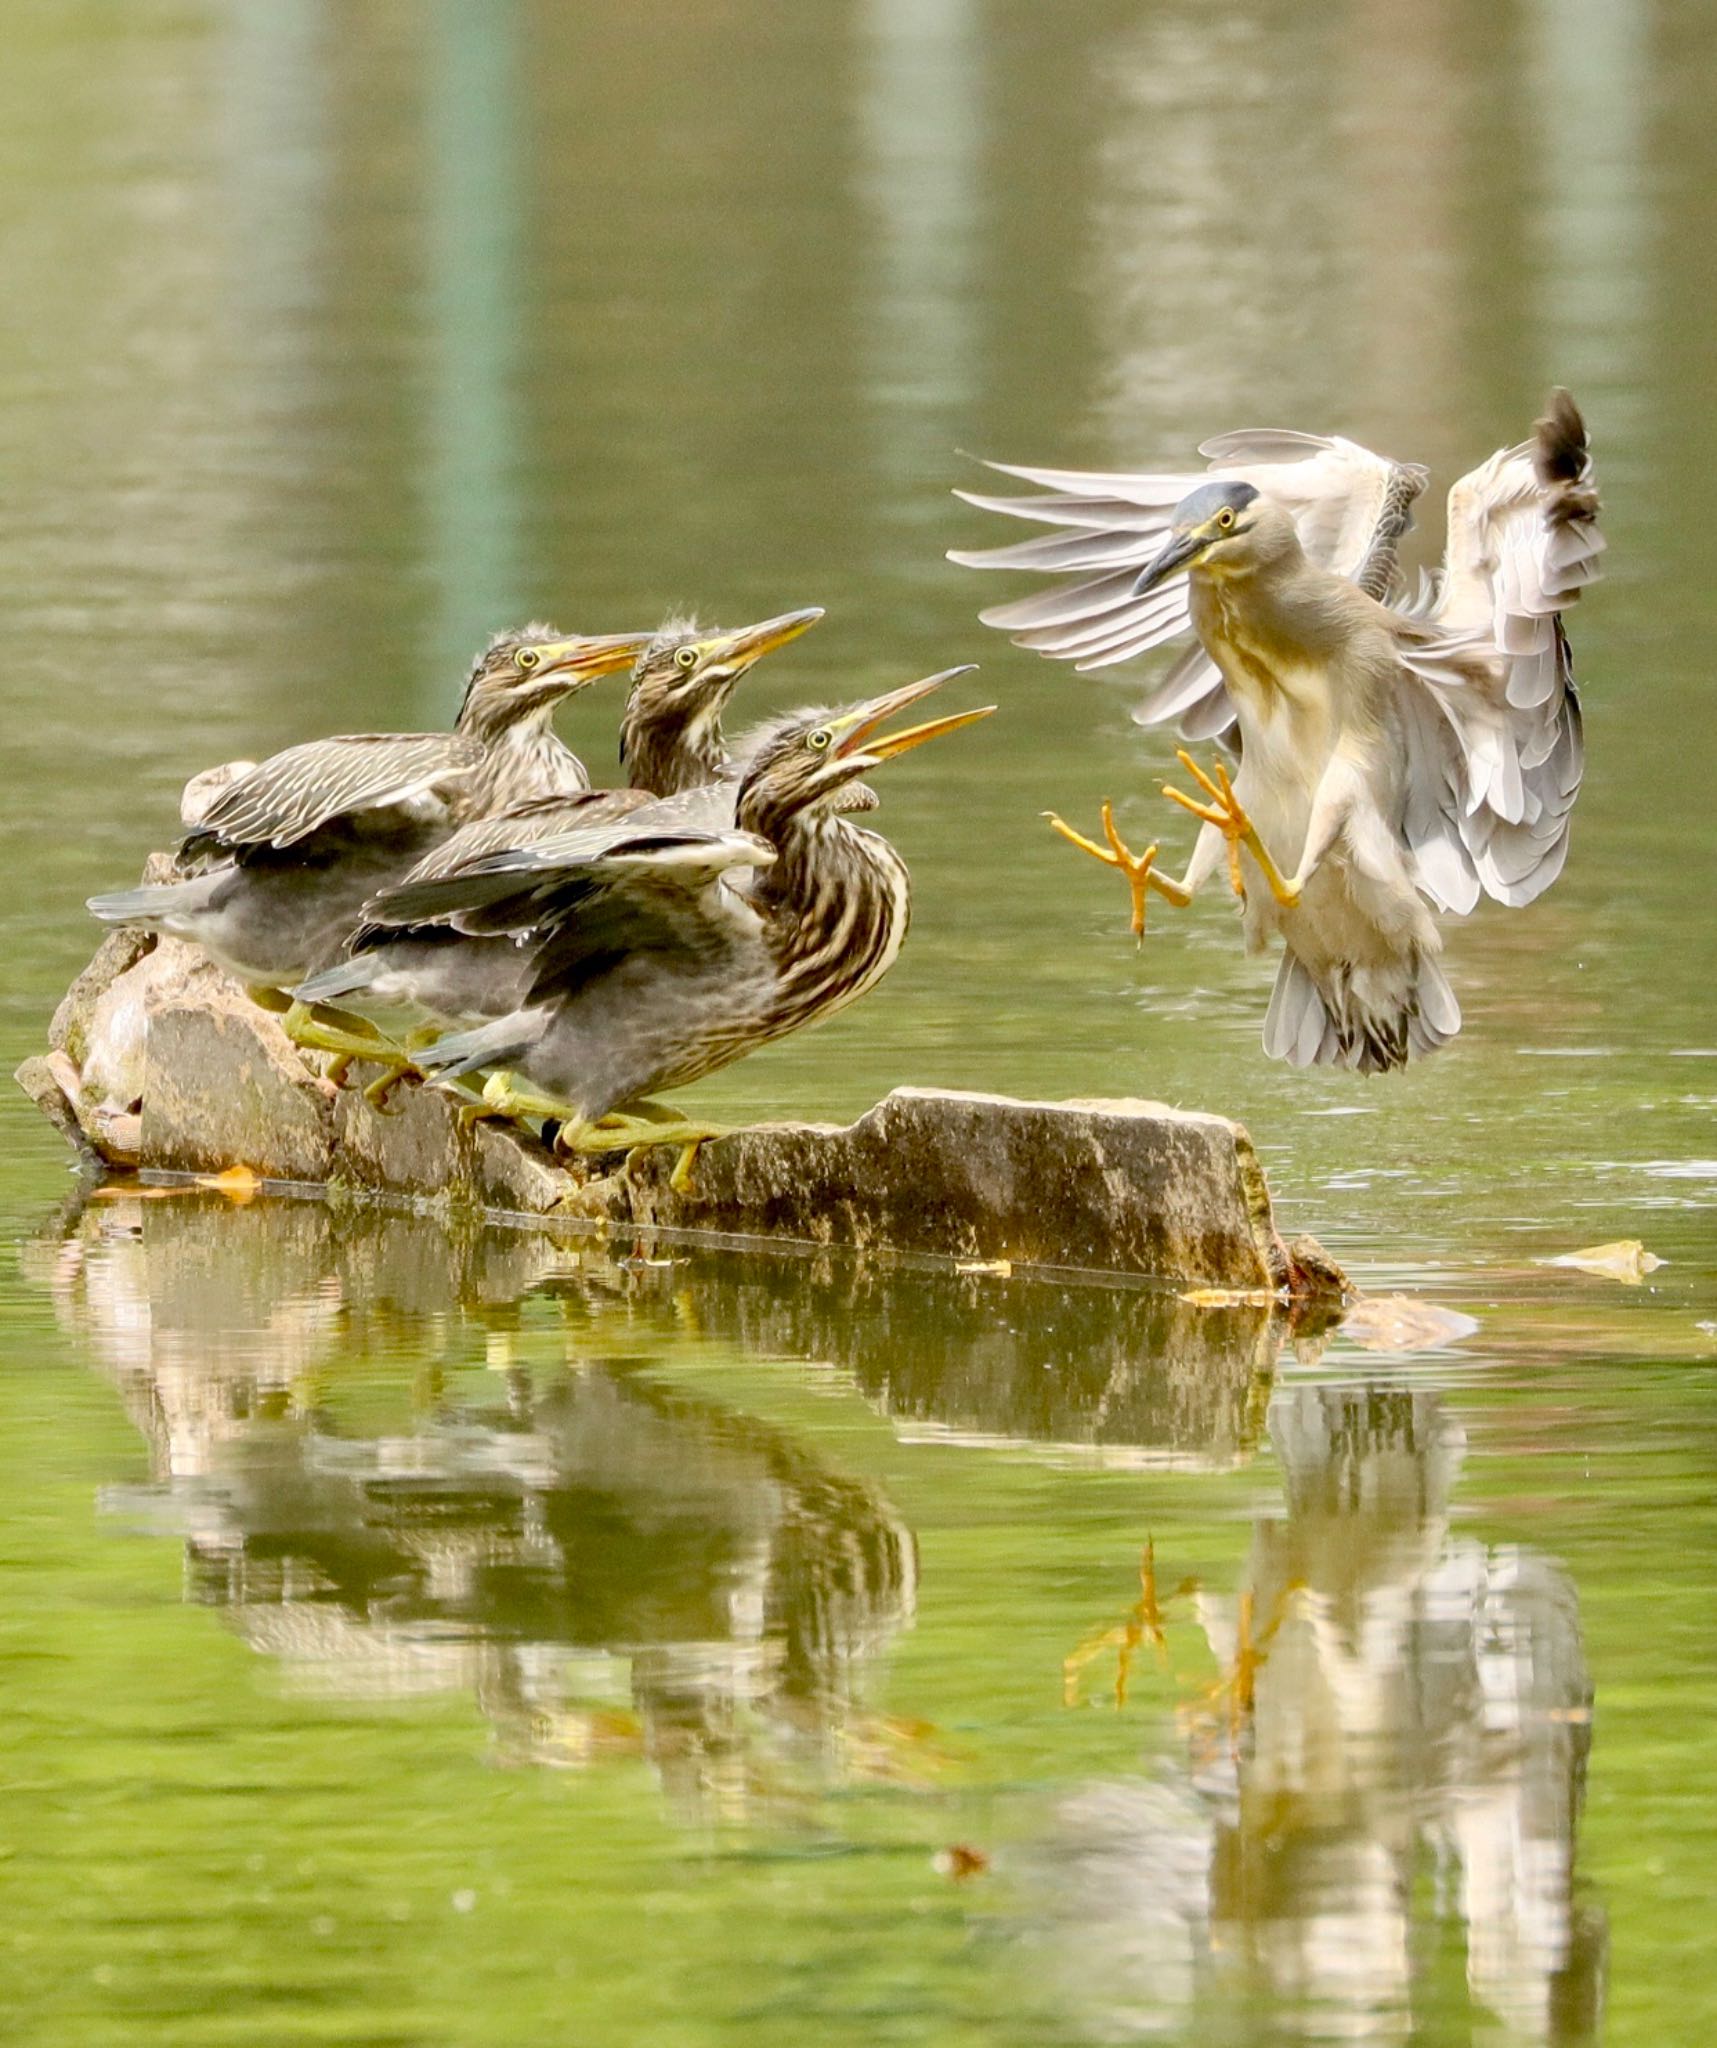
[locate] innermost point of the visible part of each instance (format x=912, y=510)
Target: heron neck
x=666, y=755
x=836, y=905
x=523, y=761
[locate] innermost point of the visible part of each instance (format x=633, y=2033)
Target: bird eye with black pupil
x=528, y=657
x=687, y=658
x=819, y=741
x=1225, y=518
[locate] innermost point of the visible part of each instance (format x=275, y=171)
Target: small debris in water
x=1627, y=1260
x=959, y=1862
x=1402, y=1322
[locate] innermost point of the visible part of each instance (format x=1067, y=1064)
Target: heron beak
x=750, y=643
x=1176, y=553
x=586, y=656
x=859, y=725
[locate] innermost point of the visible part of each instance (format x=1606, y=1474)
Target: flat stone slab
x=1127, y=1186
x=161, y=1061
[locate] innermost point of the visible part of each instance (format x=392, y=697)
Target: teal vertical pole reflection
x=475, y=265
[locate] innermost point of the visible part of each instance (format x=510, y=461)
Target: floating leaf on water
x=999, y=1269
x=1229, y=1297
x=1402, y=1322
x=960, y=1861
x=1627, y=1260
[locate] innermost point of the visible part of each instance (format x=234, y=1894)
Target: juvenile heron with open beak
x=671, y=740
x=1393, y=757
x=662, y=949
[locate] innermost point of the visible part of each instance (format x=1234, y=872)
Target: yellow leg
x=504, y=1095
x=1224, y=811
x=647, y=1124
x=1137, y=867
x=347, y=1037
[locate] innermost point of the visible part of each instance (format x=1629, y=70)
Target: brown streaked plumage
x=280, y=865
x=671, y=743
x=662, y=951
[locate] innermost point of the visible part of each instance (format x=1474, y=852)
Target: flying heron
x=1396, y=753
x=662, y=948
x=671, y=741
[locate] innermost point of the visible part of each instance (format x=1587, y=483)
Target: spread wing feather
x=1350, y=506
x=294, y=793
x=1496, y=766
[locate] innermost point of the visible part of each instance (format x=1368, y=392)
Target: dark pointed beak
x=1176, y=552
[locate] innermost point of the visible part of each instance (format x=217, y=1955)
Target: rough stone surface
x=415, y=1147
x=1125, y=1187
x=1121, y=1186
x=224, y=1086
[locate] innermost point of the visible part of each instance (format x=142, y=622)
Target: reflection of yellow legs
x=1225, y=812
x=1144, y=1623
x=1231, y=1698
x=643, y=1124
x=1138, y=868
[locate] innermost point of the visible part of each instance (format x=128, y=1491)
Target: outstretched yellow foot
x=1137, y=867
x=1225, y=812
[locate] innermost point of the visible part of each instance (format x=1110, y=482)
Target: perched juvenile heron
x=671, y=740
x=284, y=857
x=1394, y=754
x=662, y=950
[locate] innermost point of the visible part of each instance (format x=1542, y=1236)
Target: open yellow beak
x=860, y=724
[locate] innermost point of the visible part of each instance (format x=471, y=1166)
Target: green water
x=415, y=1640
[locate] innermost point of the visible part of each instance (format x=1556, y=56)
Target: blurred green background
x=334, y=337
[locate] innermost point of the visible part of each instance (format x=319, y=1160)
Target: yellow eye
x=527, y=658
x=820, y=741
x=1225, y=518
x=686, y=658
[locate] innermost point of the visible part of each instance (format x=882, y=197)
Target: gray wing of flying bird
x=305, y=788
x=1351, y=508
x=1488, y=700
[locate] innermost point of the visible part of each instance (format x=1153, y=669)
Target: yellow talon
x=1117, y=854
x=1228, y=815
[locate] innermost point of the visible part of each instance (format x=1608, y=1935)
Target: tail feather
x=155, y=903
x=498, y=1044
x=344, y=978
x=1364, y=1021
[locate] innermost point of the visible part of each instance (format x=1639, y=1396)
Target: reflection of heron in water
x=606, y=1562
x=1393, y=1700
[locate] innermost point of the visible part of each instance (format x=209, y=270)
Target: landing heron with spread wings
x=1398, y=752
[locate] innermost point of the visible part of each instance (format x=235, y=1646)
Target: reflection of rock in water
x=608, y=1563
x=1021, y=1358
x=1412, y=1750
